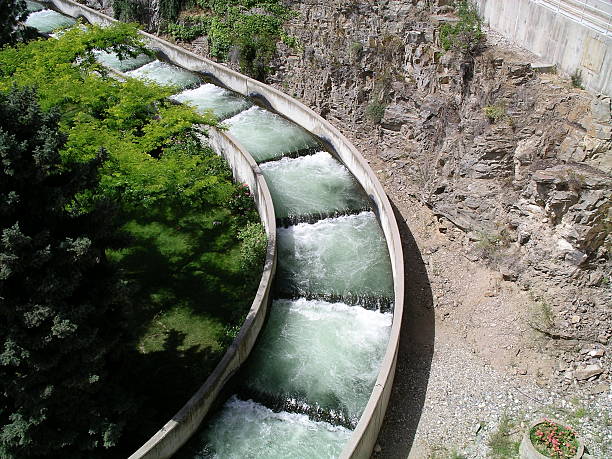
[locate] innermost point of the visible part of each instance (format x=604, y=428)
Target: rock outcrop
x=520, y=161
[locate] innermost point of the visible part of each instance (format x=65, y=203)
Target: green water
x=312, y=185
x=344, y=256
x=267, y=135
x=324, y=354
x=165, y=74
x=248, y=430
x=46, y=21
x=221, y=102
x=111, y=60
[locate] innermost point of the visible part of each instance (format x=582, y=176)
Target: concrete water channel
x=310, y=376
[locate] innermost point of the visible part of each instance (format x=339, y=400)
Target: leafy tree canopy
x=61, y=302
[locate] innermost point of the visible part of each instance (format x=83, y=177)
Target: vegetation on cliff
x=151, y=287
x=246, y=31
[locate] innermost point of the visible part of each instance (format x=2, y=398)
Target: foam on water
x=245, y=429
x=222, y=102
x=46, y=21
x=325, y=354
x=165, y=74
x=111, y=60
x=310, y=185
x=342, y=257
x=267, y=135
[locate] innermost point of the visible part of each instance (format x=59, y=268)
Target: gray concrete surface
x=575, y=35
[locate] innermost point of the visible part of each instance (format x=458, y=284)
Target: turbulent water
x=312, y=185
x=322, y=353
x=246, y=429
x=221, y=102
x=46, y=21
x=165, y=74
x=268, y=136
x=344, y=256
x=111, y=59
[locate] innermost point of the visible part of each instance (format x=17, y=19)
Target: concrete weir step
x=297, y=404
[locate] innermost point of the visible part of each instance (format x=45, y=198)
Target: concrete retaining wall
x=557, y=36
x=364, y=437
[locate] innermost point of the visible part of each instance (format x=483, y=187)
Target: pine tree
x=61, y=302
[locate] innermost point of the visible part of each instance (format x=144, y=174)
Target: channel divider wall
x=176, y=432
x=365, y=434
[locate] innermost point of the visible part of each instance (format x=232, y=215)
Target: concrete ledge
x=547, y=29
x=364, y=437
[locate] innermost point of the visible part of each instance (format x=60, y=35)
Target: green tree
x=61, y=302
x=466, y=34
x=12, y=12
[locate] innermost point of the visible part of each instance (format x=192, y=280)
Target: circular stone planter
x=528, y=451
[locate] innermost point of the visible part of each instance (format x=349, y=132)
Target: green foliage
x=128, y=10
x=356, y=50
x=495, y=113
x=253, y=250
x=234, y=25
x=12, y=12
x=375, y=111
x=577, y=79
x=502, y=443
x=62, y=303
x=466, y=34
x=178, y=206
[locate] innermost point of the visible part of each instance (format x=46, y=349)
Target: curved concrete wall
x=561, y=32
x=364, y=437
x=185, y=423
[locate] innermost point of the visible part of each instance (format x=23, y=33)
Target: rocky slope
x=518, y=161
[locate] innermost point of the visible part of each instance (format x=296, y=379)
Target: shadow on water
x=415, y=353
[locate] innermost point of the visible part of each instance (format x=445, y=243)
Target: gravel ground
x=467, y=359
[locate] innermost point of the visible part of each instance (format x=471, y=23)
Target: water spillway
x=311, y=373
x=313, y=187
x=342, y=257
x=246, y=429
x=221, y=102
x=46, y=21
x=125, y=64
x=165, y=74
x=308, y=356
x=263, y=418
x=268, y=136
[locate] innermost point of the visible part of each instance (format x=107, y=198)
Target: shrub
x=375, y=111
x=495, y=113
x=466, y=34
x=577, y=79
x=356, y=50
x=253, y=249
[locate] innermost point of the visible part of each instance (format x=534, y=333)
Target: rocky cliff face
x=520, y=161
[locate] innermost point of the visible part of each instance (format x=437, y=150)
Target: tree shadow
x=415, y=353
x=160, y=382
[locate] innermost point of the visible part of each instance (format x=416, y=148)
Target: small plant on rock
x=577, y=79
x=375, y=111
x=466, y=34
x=495, y=113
